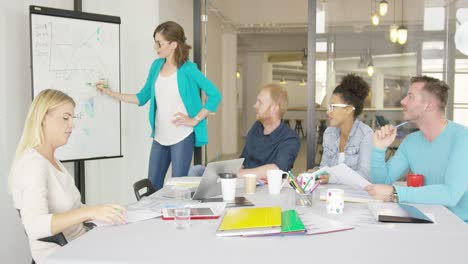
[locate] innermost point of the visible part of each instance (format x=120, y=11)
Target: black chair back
x=141, y=184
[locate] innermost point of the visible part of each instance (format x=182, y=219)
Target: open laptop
x=209, y=184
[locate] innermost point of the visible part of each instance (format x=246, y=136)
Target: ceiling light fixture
x=374, y=17
x=402, y=30
x=370, y=64
x=302, y=83
x=282, y=81
x=383, y=8
x=394, y=27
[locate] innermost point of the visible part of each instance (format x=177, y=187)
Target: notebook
x=291, y=223
x=398, y=213
x=250, y=221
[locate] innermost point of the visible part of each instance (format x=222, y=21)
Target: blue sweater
x=190, y=80
x=443, y=162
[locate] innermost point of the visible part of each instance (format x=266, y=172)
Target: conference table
x=158, y=241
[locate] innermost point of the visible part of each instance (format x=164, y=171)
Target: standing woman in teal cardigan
x=177, y=115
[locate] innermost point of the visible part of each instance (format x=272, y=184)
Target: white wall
x=214, y=73
x=256, y=73
x=15, y=94
x=229, y=90
x=106, y=180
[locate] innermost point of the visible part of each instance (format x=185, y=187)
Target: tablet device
x=195, y=213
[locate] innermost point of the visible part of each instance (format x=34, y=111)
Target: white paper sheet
x=316, y=224
x=343, y=174
x=352, y=195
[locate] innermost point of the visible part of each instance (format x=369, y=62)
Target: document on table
x=352, y=195
x=147, y=208
x=188, y=181
x=343, y=174
x=316, y=224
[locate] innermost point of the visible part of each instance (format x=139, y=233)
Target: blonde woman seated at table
x=346, y=139
x=42, y=189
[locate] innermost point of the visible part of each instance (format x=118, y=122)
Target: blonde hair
x=279, y=96
x=46, y=100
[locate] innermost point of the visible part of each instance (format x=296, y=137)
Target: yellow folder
x=250, y=221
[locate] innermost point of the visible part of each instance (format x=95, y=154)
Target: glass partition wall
x=249, y=43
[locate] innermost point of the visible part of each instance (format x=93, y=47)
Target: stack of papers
x=316, y=224
x=187, y=182
x=353, y=196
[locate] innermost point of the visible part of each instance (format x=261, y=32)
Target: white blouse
x=169, y=103
x=341, y=157
x=39, y=190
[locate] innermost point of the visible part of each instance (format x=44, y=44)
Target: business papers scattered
x=343, y=174
x=352, y=196
x=148, y=208
x=187, y=182
x=316, y=224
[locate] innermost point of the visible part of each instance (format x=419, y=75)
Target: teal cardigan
x=190, y=80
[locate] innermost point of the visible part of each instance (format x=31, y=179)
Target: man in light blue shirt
x=438, y=151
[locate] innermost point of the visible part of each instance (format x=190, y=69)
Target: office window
x=434, y=18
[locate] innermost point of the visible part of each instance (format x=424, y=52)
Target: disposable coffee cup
x=250, y=183
x=228, y=185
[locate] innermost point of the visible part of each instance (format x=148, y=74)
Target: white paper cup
x=275, y=181
x=250, y=183
x=335, y=201
x=228, y=185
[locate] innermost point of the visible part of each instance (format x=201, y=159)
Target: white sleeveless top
x=341, y=157
x=168, y=103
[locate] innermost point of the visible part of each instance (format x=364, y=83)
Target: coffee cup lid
x=227, y=175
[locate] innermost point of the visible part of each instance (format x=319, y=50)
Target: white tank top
x=169, y=102
x=341, y=157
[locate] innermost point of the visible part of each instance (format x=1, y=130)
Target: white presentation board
x=71, y=51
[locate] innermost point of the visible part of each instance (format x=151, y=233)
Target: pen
x=401, y=124
x=298, y=187
x=315, y=187
x=307, y=183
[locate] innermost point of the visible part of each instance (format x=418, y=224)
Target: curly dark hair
x=353, y=90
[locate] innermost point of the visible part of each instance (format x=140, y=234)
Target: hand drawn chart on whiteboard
x=70, y=52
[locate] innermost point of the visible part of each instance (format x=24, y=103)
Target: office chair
x=139, y=185
x=298, y=128
x=58, y=238
x=381, y=121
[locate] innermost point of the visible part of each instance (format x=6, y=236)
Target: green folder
x=291, y=223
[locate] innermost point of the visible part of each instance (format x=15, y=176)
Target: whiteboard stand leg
x=80, y=178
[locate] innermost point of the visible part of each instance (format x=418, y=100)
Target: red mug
x=415, y=180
